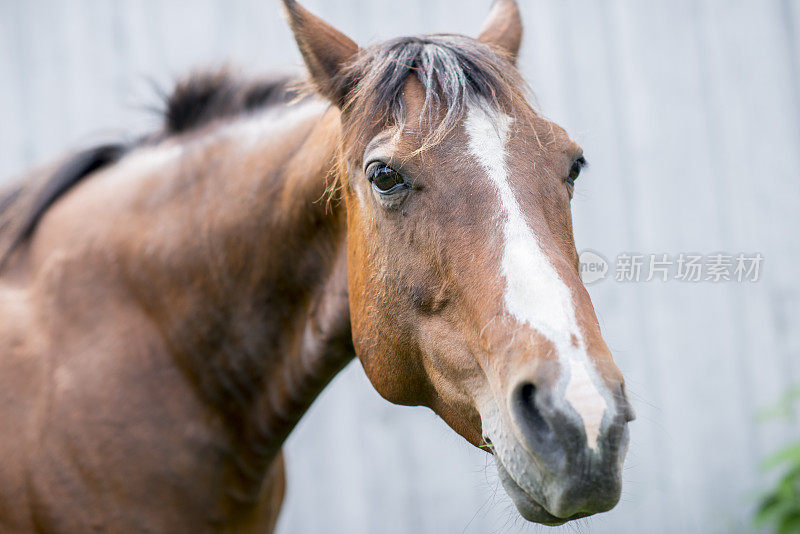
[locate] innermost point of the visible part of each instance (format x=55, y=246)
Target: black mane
x=206, y=97
x=196, y=101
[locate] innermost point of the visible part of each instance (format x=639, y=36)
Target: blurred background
x=689, y=113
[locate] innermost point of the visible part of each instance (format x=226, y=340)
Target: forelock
x=455, y=72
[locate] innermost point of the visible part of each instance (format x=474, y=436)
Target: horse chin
x=526, y=505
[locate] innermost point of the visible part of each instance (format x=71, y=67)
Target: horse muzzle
x=552, y=463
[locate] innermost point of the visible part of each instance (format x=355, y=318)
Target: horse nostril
x=532, y=422
x=529, y=409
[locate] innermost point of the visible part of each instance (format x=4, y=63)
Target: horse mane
x=454, y=70
x=199, y=100
x=206, y=97
x=23, y=206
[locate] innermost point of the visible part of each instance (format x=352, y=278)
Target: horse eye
x=575, y=170
x=385, y=179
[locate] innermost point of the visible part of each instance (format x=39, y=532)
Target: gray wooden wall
x=689, y=112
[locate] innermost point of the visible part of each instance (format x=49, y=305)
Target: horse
x=171, y=306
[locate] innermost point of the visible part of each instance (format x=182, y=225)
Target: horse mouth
x=527, y=505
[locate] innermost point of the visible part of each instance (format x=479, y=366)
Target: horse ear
x=325, y=51
x=503, y=28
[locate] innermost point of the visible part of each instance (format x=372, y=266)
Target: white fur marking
x=582, y=394
x=535, y=294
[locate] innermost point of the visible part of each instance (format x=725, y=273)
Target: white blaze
x=535, y=294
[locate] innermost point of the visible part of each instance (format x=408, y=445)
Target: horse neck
x=252, y=298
